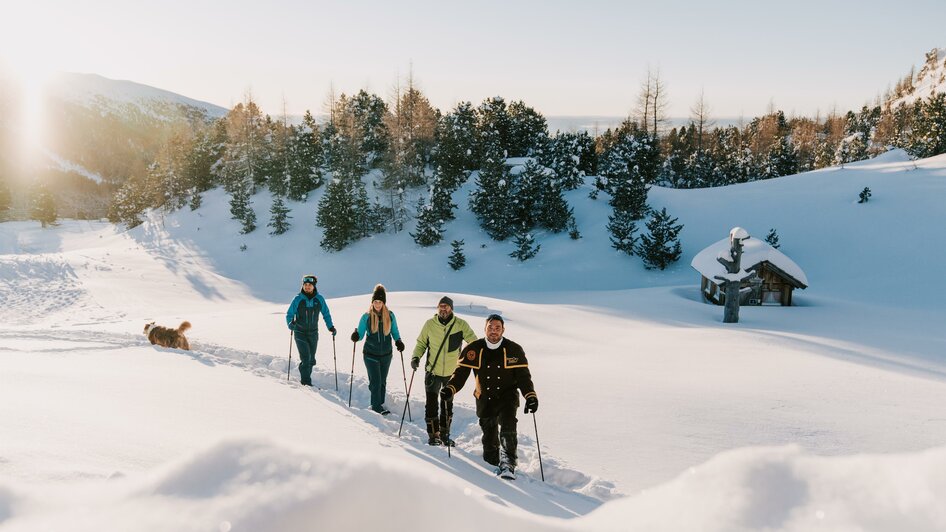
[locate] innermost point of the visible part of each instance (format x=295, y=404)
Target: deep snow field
x=654, y=415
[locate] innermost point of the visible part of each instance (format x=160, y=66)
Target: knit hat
x=379, y=294
x=445, y=301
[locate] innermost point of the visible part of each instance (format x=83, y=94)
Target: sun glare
x=29, y=76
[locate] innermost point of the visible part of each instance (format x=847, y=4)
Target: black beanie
x=445, y=300
x=380, y=294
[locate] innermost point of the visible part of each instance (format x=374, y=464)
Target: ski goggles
x=309, y=279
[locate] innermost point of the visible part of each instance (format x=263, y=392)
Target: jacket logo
x=512, y=360
x=470, y=355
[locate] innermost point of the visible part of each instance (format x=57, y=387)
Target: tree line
x=405, y=144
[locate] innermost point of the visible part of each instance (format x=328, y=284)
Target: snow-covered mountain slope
x=93, y=90
x=653, y=414
x=929, y=80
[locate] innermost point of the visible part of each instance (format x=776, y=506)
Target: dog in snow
x=167, y=337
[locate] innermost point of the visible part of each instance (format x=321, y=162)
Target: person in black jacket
x=501, y=370
x=303, y=319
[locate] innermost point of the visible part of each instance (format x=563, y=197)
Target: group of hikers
x=499, y=366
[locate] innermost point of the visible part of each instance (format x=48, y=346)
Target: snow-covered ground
x=654, y=415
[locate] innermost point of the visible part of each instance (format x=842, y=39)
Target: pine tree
x=128, y=203
x=622, y=227
x=864, y=196
x=493, y=124
x=457, y=152
x=527, y=191
x=441, y=197
x=241, y=208
x=661, y=246
x=429, y=225
x=528, y=130
x=457, y=258
x=344, y=214
x=279, y=217
x=492, y=200
x=573, y=232
x=552, y=210
x=772, y=238
x=44, y=206
x=526, y=248
x=306, y=159
x=563, y=156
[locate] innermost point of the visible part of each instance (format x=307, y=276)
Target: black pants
x=306, y=342
x=500, y=439
x=436, y=424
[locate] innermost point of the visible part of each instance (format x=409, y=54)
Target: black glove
x=399, y=345
x=532, y=404
x=446, y=393
x=354, y=336
x=332, y=330
x=415, y=363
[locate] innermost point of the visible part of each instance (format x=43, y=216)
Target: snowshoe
x=434, y=440
x=446, y=441
x=506, y=472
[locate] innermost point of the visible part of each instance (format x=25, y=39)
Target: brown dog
x=166, y=337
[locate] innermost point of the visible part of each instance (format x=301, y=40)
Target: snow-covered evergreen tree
x=43, y=206
x=552, y=210
x=344, y=213
x=623, y=230
x=429, y=230
x=279, y=217
x=241, y=208
x=457, y=258
x=526, y=248
x=492, y=200
x=563, y=156
x=772, y=238
x=661, y=246
x=129, y=202
x=528, y=130
x=458, y=151
x=306, y=159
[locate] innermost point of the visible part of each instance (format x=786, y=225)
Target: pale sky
x=561, y=57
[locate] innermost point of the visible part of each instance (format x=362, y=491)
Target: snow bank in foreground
x=782, y=488
x=258, y=485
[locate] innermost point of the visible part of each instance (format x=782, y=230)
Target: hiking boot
x=448, y=442
x=506, y=472
x=434, y=440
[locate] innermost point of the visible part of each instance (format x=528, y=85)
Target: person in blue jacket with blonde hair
x=378, y=326
x=303, y=320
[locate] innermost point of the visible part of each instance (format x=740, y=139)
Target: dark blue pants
x=377, y=378
x=306, y=342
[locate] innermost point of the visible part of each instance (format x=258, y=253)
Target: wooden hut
x=778, y=274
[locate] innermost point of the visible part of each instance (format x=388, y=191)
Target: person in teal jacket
x=303, y=319
x=378, y=326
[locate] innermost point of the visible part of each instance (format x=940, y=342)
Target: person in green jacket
x=441, y=338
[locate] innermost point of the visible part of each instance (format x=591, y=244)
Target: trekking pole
x=335, y=362
x=538, y=447
x=407, y=401
x=351, y=381
x=404, y=376
x=447, y=418
x=289, y=368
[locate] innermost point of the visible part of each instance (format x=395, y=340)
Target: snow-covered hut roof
x=754, y=252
